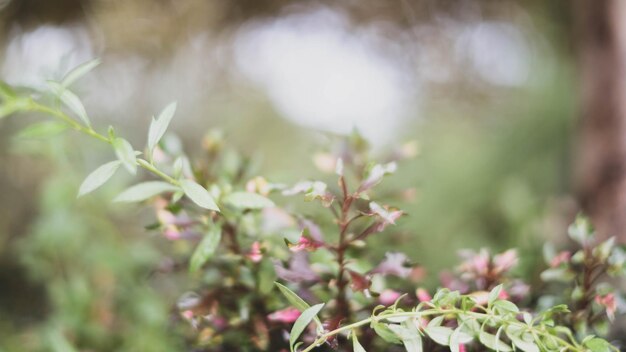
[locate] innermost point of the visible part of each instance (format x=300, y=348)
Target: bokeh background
x=488, y=89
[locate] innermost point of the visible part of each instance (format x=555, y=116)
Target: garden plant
x=240, y=239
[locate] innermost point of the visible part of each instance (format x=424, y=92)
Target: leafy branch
x=453, y=320
x=127, y=156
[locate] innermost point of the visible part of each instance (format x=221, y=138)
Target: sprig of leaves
x=455, y=319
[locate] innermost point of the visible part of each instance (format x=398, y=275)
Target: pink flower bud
x=304, y=243
x=171, y=233
x=423, y=295
x=388, y=297
x=562, y=257
x=608, y=301
x=255, y=254
x=187, y=314
x=287, y=315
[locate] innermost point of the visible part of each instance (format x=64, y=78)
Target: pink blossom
x=388, y=297
x=462, y=348
x=255, y=252
x=608, y=301
x=171, y=233
x=562, y=257
x=304, y=243
x=423, y=295
x=187, y=314
x=287, y=315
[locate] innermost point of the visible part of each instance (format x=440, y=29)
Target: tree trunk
x=601, y=166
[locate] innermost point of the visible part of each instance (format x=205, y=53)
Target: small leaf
x=246, y=200
x=356, y=346
x=295, y=300
x=490, y=341
x=597, y=344
x=409, y=334
x=126, y=154
x=198, y=195
x=206, y=248
x=389, y=217
x=494, y=294
x=458, y=337
x=504, y=306
x=98, y=177
x=386, y=333
x=302, y=322
x=292, y=297
x=145, y=190
x=159, y=126
x=439, y=334
x=70, y=100
x=376, y=174
x=526, y=346
x=79, y=72
x=42, y=129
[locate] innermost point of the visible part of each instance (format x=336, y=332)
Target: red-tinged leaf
x=305, y=243
x=358, y=282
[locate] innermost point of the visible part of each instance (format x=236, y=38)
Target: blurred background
x=488, y=89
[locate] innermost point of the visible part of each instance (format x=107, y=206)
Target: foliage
x=234, y=242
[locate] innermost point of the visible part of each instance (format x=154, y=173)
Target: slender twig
x=60, y=115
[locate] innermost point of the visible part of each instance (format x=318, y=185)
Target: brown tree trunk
x=601, y=167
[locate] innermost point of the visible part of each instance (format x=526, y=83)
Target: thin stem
x=88, y=130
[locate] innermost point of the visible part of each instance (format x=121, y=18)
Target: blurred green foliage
x=95, y=274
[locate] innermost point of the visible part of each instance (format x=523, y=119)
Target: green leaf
x=494, y=294
x=557, y=274
x=295, y=300
x=206, y=248
x=439, y=334
x=292, y=297
x=490, y=341
x=410, y=336
x=519, y=342
x=597, y=344
x=504, y=306
x=70, y=100
x=42, y=129
x=126, y=154
x=386, y=333
x=159, y=126
x=145, y=190
x=198, y=195
x=458, y=337
x=79, y=72
x=98, y=177
x=247, y=200
x=302, y=322
x=356, y=346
